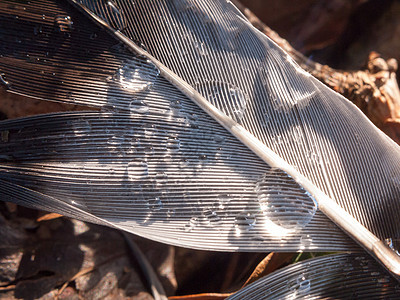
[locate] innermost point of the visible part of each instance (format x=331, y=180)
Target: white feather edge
x=371, y=243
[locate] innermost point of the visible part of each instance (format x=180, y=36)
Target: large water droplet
x=228, y=98
x=137, y=170
x=282, y=96
x=286, y=206
x=136, y=76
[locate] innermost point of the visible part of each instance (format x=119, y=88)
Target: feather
x=316, y=151
x=338, y=276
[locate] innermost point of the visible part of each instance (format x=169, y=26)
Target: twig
x=156, y=287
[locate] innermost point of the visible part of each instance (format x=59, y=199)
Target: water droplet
x=161, y=178
x=286, y=206
x=266, y=119
x=277, y=140
x=383, y=280
x=116, y=141
x=297, y=134
x=183, y=6
x=391, y=243
x=3, y=81
x=237, y=98
x=37, y=30
x=175, y=106
x=113, y=6
x=173, y=144
x=282, y=96
x=171, y=212
x=206, y=18
x=228, y=98
x=155, y=204
x=211, y=218
x=305, y=241
x=223, y=200
x=200, y=48
x=81, y=127
x=137, y=170
x=203, y=156
x=193, y=222
x=138, y=106
x=244, y=222
x=313, y=157
x=136, y=76
x=303, y=285
x=192, y=120
x=93, y=36
x=64, y=23
x=219, y=139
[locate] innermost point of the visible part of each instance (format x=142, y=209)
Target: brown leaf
x=269, y=264
x=48, y=216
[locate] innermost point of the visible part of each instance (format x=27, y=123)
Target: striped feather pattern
x=154, y=163
x=339, y=276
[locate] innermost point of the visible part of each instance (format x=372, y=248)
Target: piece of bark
x=382, y=36
x=374, y=90
x=308, y=24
